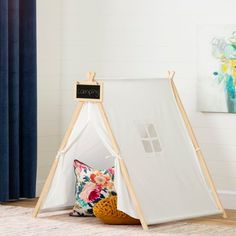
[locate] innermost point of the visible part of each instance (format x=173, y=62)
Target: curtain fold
x=18, y=99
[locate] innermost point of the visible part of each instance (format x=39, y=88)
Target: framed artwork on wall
x=217, y=68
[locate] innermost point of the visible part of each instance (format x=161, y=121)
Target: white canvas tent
x=141, y=127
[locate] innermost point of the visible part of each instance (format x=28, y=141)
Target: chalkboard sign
x=89, y=92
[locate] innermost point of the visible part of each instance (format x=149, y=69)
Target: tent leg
x=123, y=169
x=45, y=187
x=197, y=149
x=132, y=193
x=55, y=163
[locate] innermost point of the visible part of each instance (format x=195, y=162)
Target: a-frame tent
x=160, y=171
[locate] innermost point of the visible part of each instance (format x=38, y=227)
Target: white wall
x=48, y=56
x=146, y=38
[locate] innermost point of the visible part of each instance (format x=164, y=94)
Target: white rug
x=17, y=221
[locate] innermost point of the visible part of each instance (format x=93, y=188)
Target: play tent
x=140, y=127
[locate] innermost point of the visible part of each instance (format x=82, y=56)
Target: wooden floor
x=231, y=220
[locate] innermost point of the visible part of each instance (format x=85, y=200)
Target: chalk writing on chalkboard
x=87, y=91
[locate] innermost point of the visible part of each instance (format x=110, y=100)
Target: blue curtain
x=18, y=99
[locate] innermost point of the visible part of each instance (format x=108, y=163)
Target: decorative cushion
x=106, y=210
x=91, y=186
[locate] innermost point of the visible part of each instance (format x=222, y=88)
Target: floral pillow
x=91, y=187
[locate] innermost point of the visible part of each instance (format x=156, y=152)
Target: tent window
x=147, y=146
x=156, y=145
x=142, y=131
x=151, y=130
x=149, y=137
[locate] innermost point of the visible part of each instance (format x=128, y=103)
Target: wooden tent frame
x=91, y=76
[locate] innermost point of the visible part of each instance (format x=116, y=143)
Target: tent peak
x=171, y=74
x=91, y=76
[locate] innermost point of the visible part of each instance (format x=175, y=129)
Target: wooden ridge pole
x=55, y=163
x=124, y=171
x=196, y=146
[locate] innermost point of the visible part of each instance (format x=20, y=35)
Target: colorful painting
x=217, y=68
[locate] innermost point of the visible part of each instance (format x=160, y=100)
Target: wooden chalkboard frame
x=96, y=83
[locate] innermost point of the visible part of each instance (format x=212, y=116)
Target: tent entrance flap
x=88, y=143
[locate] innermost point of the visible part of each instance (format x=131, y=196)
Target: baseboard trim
x=228, y=199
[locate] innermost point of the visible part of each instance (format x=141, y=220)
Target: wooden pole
x=55, y=163
x=132, y=193
x=197, y=148
x=124, y=171
x=108, y=128
x=91, y=76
